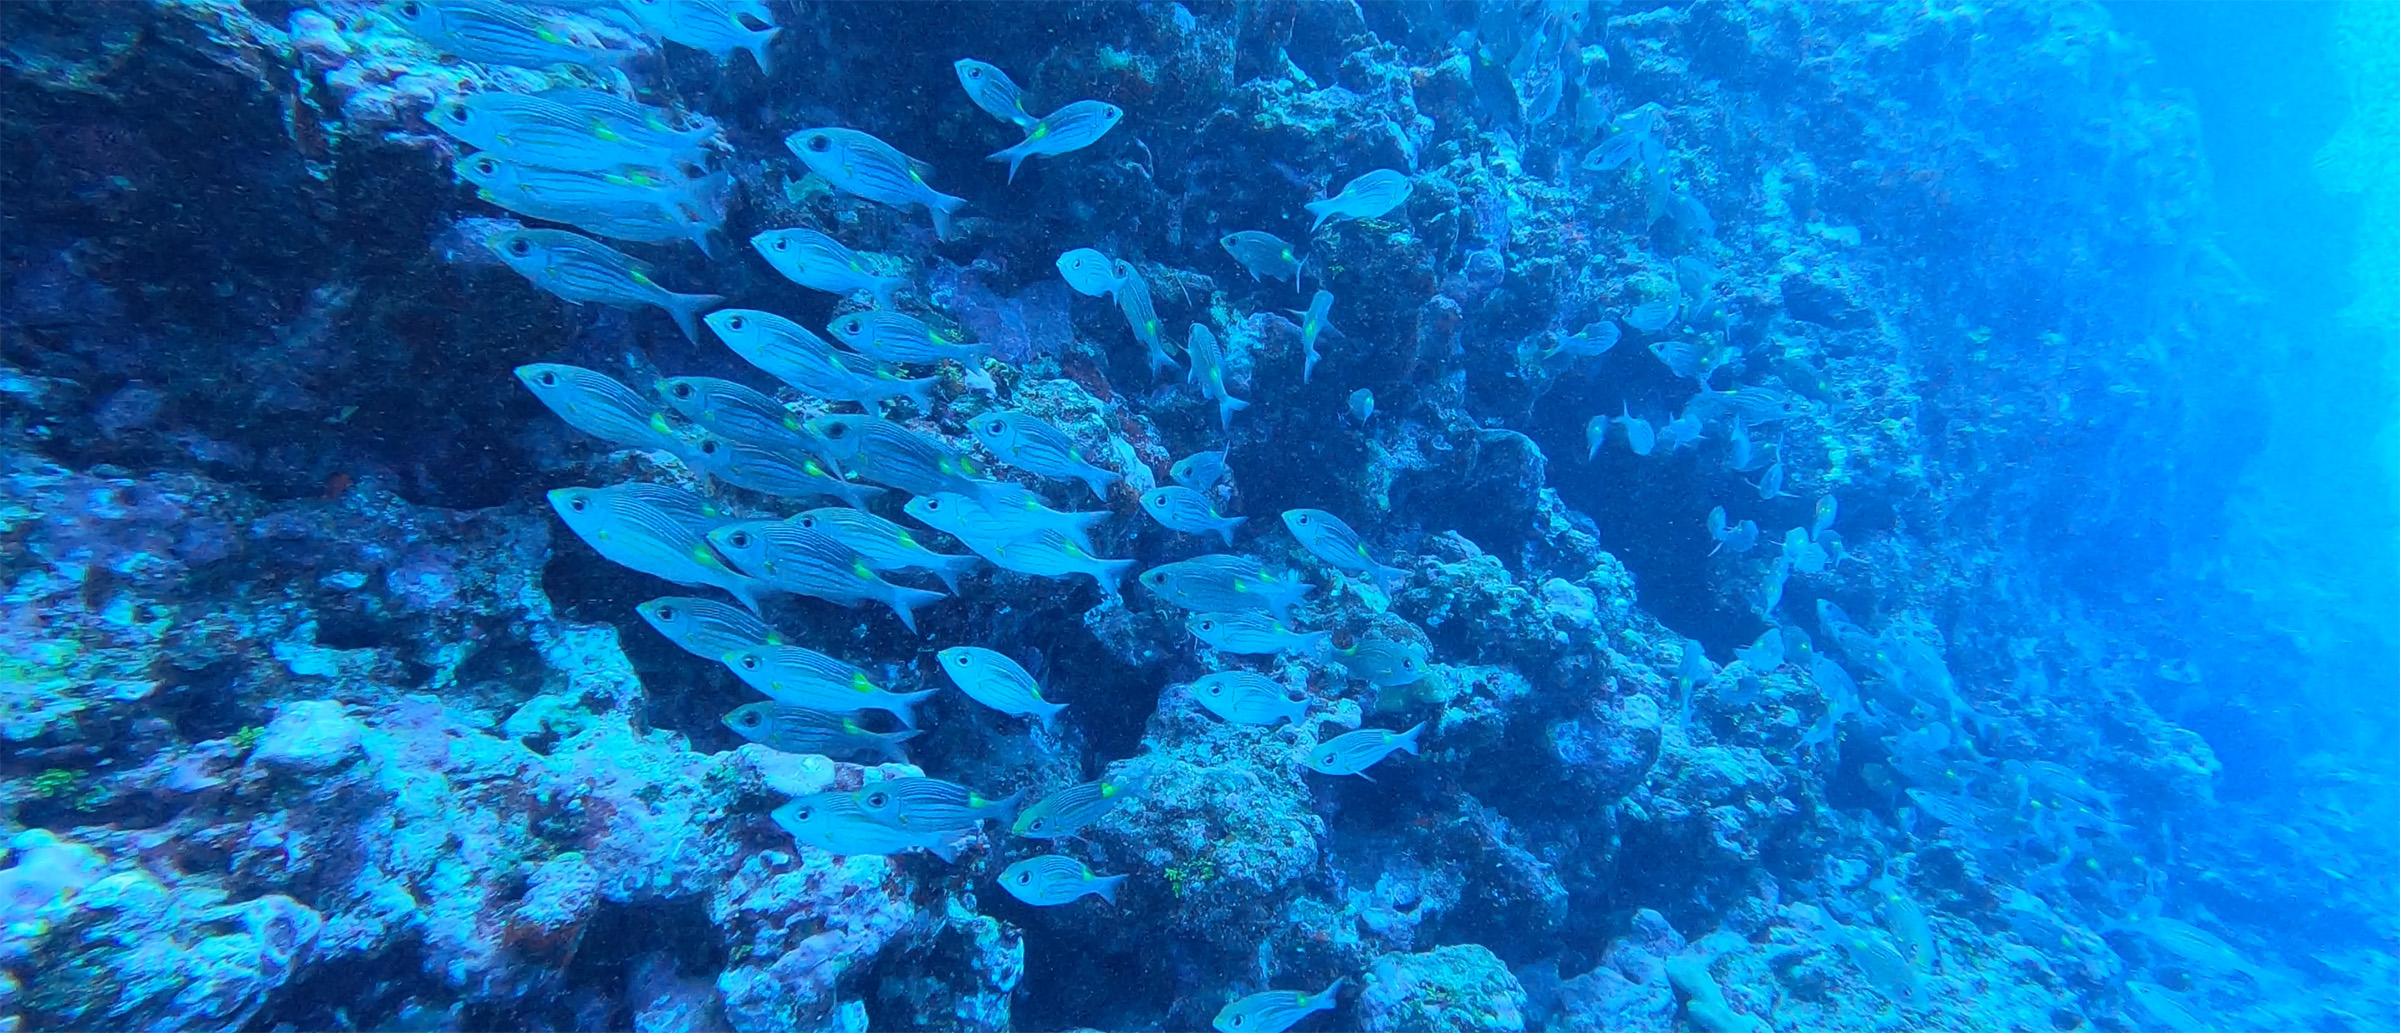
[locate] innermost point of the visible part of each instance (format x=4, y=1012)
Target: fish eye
x=878, y=799
x=962, y=660
x=1238, y=1020
x=1216, y=690
x=806, y=812
x=750, y=719
x=734, y=322
x=808, y=521
x=709, y=447
x=666, y=613
x=839, y=429
x=740, y=539
x=411, y=9
x=458, y=112
x=933, y=505
x=520, y=246
x=1024, y=878
x=749, y=661
x=487, y=166
x=782, y=244
x=548, y=379
x=681, y=390
x=820, y=143
x=974, y=73
x=1037, y=824
x=576, y=505
x=1208, y=625
x=1303, y=520
x=852, y=325
x=996, y=426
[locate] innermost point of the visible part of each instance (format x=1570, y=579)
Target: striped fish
x=800, y=677
x=1053, y=879
x=1007, y=513
x=1069, y=810
x=890, y=454
x=992, y=90
x=1071, y=128
x=1274, y=1011
x=791, y=558
x=580, y=269
x=706, y=628
x=928, y=804
x=1049, y=553
x=1314, y=323
x=535, y=130
x=857, y=163
x=1248, y=698
x=793, y=354
x=898, y=337
x=1133, y=299
x=1181, y=509
x=818, y=262
x=994, y=680
x=1092, y=274
x=1253, y=633
x=790, y=729
x=1366, y=197
x=644, y=205
x=1208, y=370
x=1024, y=441
x=884, y=544
x=601, y=407
x=493, y=32
x=620, y=120
x=713, y=26
x=656, y=530
x=1354, y=753
x=1221, y=583
x=786, y=473
x=734, y=410
x=1326, y=537
x=833, y=822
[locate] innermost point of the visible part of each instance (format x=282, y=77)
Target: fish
x=735, y=410
x=1222, y=582
x=1738, y=538
x=535, y=130
x=1208, y=369
x=791, y=558
x=1026, y=442
x=819, y=262
x=1313, y=323
x=1742, y=454
x=1004, y=516
x=1090, y=273
x=1367, y=197
x=1071, y=128
x=1805, y=556
x=1687, y=428
x=1253, y=633
x=793, y=354
x=580, y=269
x=1178, y=508
x=1326, y=537
x=491, y=32
x=834, y=823
x=1050, y=553
x=1828, y=508
x=1766, y=654
x=993, y=91
x=1355, y=752
x=706, y=628
x=1593, y=341
x=856, y=163
x=994, y=680
x=884, y=545
x=1069, y=810
x=712, y=26
x=1383, y=662
x=1595, y=434
x=930, y=804
x=654, y=529
x=801, y=677
x=1636, y=138
x=790, y=729
x=1264, y=255
x=1199, y=471
x=598, y=405
x=1273, y=1011
x=1141, y=314
x=788, y=473
x=1639, y=435
x=1962, y=811
x=1249, y=698
x=899, y=337
x=1658, y=314
x=1770, y=484
x=1362, y=404
x=643, y=205
x=890, y=454
x=683, y=137
x=1756, y=403
x=1054, y=879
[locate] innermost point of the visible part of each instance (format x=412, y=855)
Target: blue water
x=522, y=514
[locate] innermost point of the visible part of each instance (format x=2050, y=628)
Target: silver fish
x=1054, y=879
x=653, y=529
x=1313, y=323
x=734, y=410
x=1595, y=434
x=834, y=823
x=597, y=405
x=800, y=677
x=994, y=680
x=899, y=337
x=1221, y=582
x=1208, y=369
x=1593, y=341
x=1687, y=428
x=1253, y=633
x=883, y=544
x=1636, y=138
x=1653, y=316
x=713, y=26
x=1326, y=537
x=539, y=131
x=1383, y=662
x=1178, y=508
x=1729, y=536
x=890, y=454
x=1264, y=255
x=818, y=262
x=645, y=205
x=1028, y=443
x=1639, y=435
x=790, y=729
x=1199, y=471
x=684, y=137
x=706, y=628
x=1071, y=128
x=790, y=353
x=1828, y=508
x=1766, y=654
x=1069, y=810
x=1274, y=1011
x=1362, y=404
x=792, y=558
x=1141, y=314
x=491, y=32
x=788, y=473
x=993, y=91
x=1770, y=484
x=1053, y=554
x=857, y=163
x=1354, y=753
x=1367, y=197
x=582, y=270
x=925, y=804
x=1248, y=698
x=1002, y=516
x=1092, y=274
x=1805, y=556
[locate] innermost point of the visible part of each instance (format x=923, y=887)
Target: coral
x=1455, y=988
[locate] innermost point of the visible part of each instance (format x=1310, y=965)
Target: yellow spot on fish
x=858, y=568
x=607, y=134
x=1041, y=130
x=859, y=683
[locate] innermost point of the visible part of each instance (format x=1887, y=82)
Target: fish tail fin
x=1227, y=527
x=1308, y=366
x=686, y=308
x=1323, y=210
x=919, y=390
x=1226, y=407
x=904, y=602
x=1049, y=717
x=950, y=568
x=943, y=846
x=904, y=706
x=856, y=495
x=942, y=207
x=882, y=288
x=1408, y=739
x=1106, y=886
x=1100, y=481
x=1014, y=156
x=889, y=743
x=757, y=46
x=1325, y=998
x=1388, y=578
x=1109, y=573
x=747, y=594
